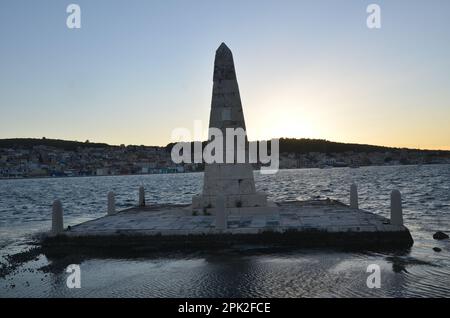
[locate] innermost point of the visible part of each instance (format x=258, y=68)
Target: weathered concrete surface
x=306, y=223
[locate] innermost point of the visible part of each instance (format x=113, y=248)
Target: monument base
x=312, y=223
x=231, y=201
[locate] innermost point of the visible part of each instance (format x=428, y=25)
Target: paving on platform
x=329, y=216
x=314, y=223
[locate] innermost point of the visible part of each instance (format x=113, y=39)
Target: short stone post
x=354, y=196
x=111, y=203
x=141, y=196
x=57, y=218
x=396, y=208
x=221, y=213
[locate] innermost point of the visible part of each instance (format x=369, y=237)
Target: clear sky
x=138, y=69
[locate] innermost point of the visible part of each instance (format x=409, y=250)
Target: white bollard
x=57, y=218
x=221, y=213
x=396, y=208
x=354, y=196
x=141, y=196
x=111, y=203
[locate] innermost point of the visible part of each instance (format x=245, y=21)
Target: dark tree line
x=26, y=143
x=288, y=145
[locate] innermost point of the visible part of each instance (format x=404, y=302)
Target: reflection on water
x=25, y=207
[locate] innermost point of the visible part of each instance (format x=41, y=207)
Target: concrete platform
x=296, y=223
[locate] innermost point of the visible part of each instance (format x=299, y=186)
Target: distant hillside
x=320, y=145
x=303, y=146
x=56, y=143
x=289, y=145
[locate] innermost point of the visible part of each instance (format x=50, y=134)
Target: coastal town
x=84, y=159
x=45, y=161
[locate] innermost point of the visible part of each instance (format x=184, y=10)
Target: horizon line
x=294, y=138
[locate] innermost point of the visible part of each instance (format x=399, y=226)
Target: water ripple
x=25, y=207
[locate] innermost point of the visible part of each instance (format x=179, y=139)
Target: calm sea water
x=25, y=209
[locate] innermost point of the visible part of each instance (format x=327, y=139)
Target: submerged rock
x=440, y=235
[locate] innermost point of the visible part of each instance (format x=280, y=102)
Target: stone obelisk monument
x=234, y=181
